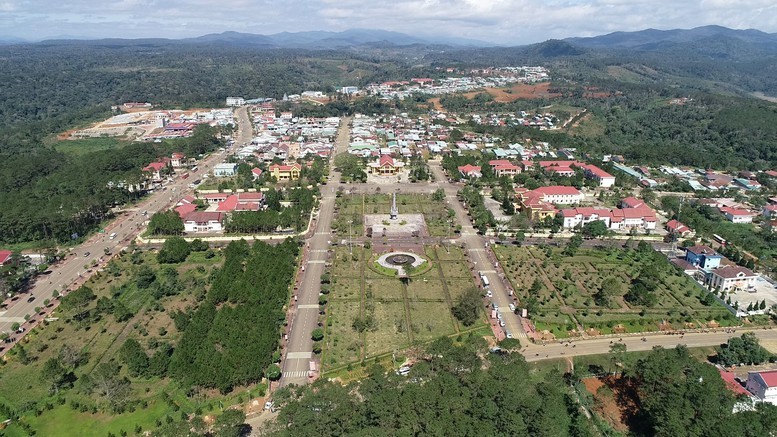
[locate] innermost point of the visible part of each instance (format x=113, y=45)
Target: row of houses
x=503, y=167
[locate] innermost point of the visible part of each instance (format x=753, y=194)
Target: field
x=354, y=207
x=73, y=411
x=402, y=313
x=84, y=146
x=565, y=289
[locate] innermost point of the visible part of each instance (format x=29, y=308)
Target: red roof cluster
x=676, y=226
x=242, y=202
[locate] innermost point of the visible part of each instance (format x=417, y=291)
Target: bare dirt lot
x=519, y=91
x=614, y=401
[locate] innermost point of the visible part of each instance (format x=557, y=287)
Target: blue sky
x=498, y=21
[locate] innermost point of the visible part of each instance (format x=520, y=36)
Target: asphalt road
x=482, y=260
x=73, y=270
x=538, y=352
x=299, y=345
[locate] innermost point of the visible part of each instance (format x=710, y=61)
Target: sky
x=510, y=22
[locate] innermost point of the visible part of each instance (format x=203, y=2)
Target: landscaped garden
x=352, y=208
x=371, y=312
x=607, y=290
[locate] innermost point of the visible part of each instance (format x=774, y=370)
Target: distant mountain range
x=295, y=40
x=652, y=39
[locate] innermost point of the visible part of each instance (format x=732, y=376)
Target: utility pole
x=350, y=246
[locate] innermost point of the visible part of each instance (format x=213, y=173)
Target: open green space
x=352, y=208
x=370, y=314
x=88, y=145
x=604, y=290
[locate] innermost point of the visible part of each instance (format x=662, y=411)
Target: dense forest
x=49, y=195
x=230, y=338
x=454, y=391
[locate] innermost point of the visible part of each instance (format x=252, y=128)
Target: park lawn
x=391, y=333
x=431, y=320
x=385, y=289
x=348, y=265
x=449, y=253
x=346, y=288
x=457, y=287
x=455, y=270
x=342, y=343
x=425, y=289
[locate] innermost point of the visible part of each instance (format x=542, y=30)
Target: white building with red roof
x=558, y=194
x=639, y=217
x=605, y=179
x=736, y=215
x=763, y=385
x=177, y=160
x=729, y=277
x=204, y=221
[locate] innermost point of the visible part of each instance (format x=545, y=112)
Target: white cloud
x=502, y=21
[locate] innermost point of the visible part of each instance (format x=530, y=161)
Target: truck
x=484, y=278
x=112, y=236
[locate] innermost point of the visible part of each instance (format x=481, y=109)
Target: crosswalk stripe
x=297, y=374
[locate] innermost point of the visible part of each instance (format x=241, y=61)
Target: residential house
x=503, y=167
x=203, y=221
x=736, y=215
x=735, y=277
x=225, y=169
x=385, y=166
x=677, y=228
x=470, y=171
x=703, y=256
x=256, y=172
x=763, y=385
x=285, y=172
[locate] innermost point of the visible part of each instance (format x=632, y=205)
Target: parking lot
x=763, y=290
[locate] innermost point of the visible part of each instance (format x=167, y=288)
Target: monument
x=381, y=225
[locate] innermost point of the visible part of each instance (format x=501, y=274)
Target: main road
x=76, y=268
x=299, y=345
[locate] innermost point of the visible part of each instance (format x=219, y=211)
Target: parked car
x=86, y=254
